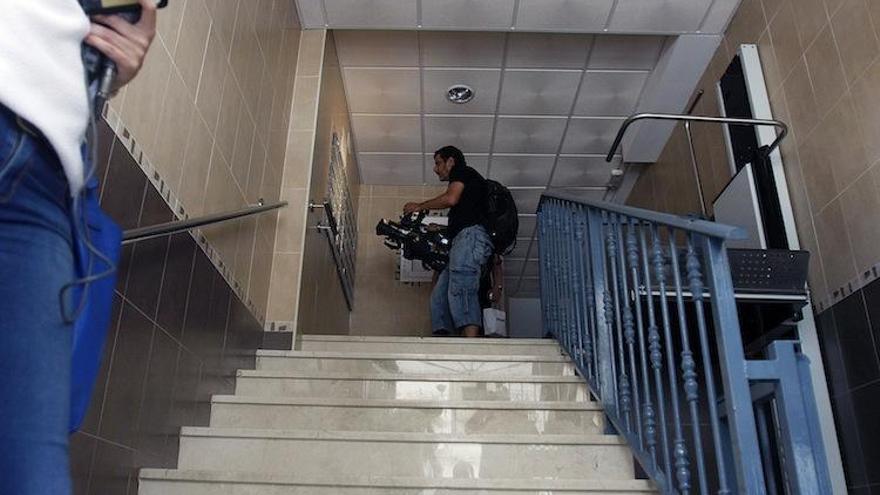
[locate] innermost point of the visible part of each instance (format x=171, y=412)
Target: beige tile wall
x=284, y=289
x=822, y=64
x=210, y=112
x=322, y=305
x=384, y=305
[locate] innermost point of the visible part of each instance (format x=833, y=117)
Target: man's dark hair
x=448, y=152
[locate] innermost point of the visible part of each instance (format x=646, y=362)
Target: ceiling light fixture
x=460, y=94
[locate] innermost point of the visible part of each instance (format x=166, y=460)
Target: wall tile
x=127, y=372
x=848, y=438
x=833, y=239
x=816, y=157
x=866, y=408
x=801, y=101
x=112, y=469
x=124, y=184
x=175, y=284
x=811, y=18
x=866, y=96
x=855, y=37
x=210, y=92
x=861, y=211
x=144, y=96
x=826, y=71
x=196, y=164
x=786, y=42
x=291, y=221
x=856, y=342
x=283, y=287
x=82, y=453
x=231, y=109
x=747, y=23
x=189, y=53
x=168, y=24
x=153, y=427
x=148, y=257
x=298, y=158
x=305, y=102
x=311, y=53
x=173, y=132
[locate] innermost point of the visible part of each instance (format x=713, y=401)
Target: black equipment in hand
x=426, y=243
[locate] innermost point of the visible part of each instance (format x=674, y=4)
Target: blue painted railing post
x=604, y=341
x=738, y=399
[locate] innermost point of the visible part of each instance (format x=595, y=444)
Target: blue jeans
x=36, y=262
x=455, y=301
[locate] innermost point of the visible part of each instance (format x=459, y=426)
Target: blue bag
x=90, y=327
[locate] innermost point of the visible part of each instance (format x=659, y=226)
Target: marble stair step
x=325, y=454
x=177, y=482
x=428, y=345
x=392, y=363
x=439, y=417
x=409, y=387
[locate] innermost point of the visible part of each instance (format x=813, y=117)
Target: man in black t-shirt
x=455, y=301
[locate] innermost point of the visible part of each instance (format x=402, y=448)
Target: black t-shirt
x=471, y=207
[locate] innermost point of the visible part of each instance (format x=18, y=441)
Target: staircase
x=385, y=415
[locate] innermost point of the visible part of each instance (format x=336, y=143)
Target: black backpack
x=502, y=221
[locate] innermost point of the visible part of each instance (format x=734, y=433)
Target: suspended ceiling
x=548, y=101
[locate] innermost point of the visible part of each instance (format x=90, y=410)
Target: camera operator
x=44, y=116
x=455, y=301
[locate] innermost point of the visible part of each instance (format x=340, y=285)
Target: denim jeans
x=455, y=301
x=36, y=262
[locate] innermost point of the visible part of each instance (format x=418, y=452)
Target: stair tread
x=407, y=404
x=403, y=356
x=413, y=377
x=402, y=437
x=624, y=485
x=428, y=340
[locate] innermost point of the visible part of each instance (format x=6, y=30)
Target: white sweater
x=41, y=74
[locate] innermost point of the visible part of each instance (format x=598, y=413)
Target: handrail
x=169, y=228
x=697, y=118
x=712, y=229
x=638, y=307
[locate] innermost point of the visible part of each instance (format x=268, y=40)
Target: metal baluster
x=604, y=355
x=587, y=295
x=544, y=267
x=629, y=331
x=576, y=279
x=563, y=280
x=655, y=350
x=622, y=381
x=688, y=365
x=695, y=278
x=553, y=256
x=642, y=384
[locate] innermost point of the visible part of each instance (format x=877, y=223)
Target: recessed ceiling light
x=460, y=93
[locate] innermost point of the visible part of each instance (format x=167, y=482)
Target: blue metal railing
x=643, y=303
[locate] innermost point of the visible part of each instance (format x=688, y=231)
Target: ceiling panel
x=391, y=169
x=459, y=14
x=513, y=268
x=548, y=51
x=528, y=134
x=536, y=92
x=311, y=12
x=521, y=249
x=590, y=135
x=522, y=170
x=384, y=133
x=375, y=13
x=377, y=48
x=585, y=171
x=659, y=15
x=463, y=49
x=469, y=134
x=484, y=82
x=610, y=93
x=382, y=90
x=560, y=15
x=527, y=199
x=527, y=225
x=626, y=52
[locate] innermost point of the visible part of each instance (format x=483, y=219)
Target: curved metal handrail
x=697, y=118
x=169, y=228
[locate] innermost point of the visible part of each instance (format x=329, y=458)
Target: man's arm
x=448, y=199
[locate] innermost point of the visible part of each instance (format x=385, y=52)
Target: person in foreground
x=44, y=116
x=455, y=303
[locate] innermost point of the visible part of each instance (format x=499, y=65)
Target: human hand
x=411, y=208
x=124, y=43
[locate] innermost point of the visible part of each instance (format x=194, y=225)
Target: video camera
x=426, y=243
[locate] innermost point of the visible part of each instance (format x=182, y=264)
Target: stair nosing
x=196, y=476
x=403, y=356
x=404, y=377
x=408, y=404
x=427, y=340
x=401, y=437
